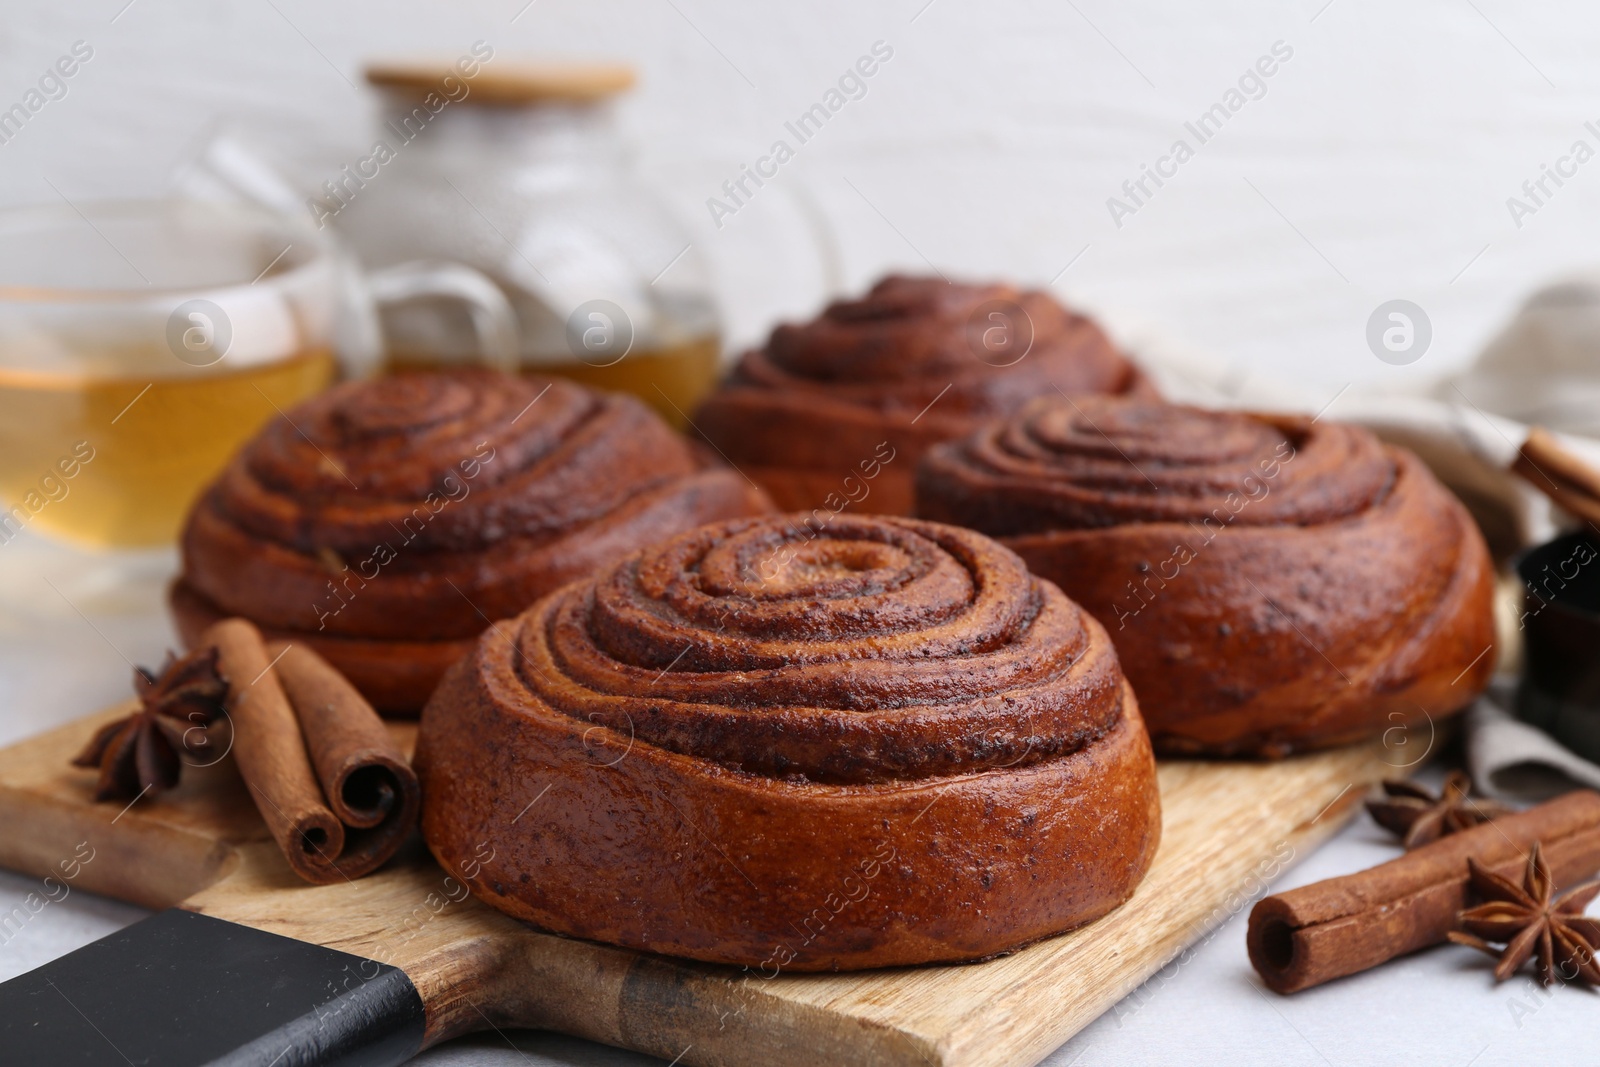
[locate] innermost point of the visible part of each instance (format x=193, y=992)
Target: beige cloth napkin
x=1543, y=368
x=1508, y=758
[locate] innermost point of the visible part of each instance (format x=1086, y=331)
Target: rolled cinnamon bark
x=365, y=777
x=1558, y=473
x=1340, y=926
x=271, y=755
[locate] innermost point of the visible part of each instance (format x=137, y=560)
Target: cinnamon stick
x=1340, y=926
x=364, y=776
x=271, y=755
x=1560, y=474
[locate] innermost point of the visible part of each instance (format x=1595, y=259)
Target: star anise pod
x=142, y=751
x=1420, y=817
x=1529, y=923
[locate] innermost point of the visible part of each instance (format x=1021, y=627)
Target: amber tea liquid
x=672, y=379
x=116, y=461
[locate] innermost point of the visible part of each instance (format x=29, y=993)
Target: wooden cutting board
x=1229, y=828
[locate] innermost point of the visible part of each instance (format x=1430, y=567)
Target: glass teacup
x=141, y=343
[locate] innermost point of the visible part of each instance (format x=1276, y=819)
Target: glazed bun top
x=421, y=506
x=988, y=348
x=875, y=650
x=1093, y=462
x=353, y=464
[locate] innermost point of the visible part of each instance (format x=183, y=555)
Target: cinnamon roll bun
x=1272, y=583
x=876, y=743
x=385, y=523
x=848, y=402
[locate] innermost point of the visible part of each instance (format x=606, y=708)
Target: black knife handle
x=181, y=989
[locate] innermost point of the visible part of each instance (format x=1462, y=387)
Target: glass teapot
x=516, y=170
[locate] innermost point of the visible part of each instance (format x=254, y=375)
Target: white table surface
x=68, y=625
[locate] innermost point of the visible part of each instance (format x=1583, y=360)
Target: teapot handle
x=493, y=320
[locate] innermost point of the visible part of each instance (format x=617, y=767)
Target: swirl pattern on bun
x=1272, y=583
x=889, y=714
x=914, y=362
x=387, y=522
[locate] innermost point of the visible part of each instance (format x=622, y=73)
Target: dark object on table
x=1528, y=922
x=1560, y=690
x=142, y=752
x=1418, y=817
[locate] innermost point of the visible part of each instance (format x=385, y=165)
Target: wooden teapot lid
x=507, y=81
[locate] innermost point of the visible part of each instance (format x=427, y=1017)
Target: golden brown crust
x=387, y=522
x=880, y=744
x=1271, y=584
x=902, y=368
